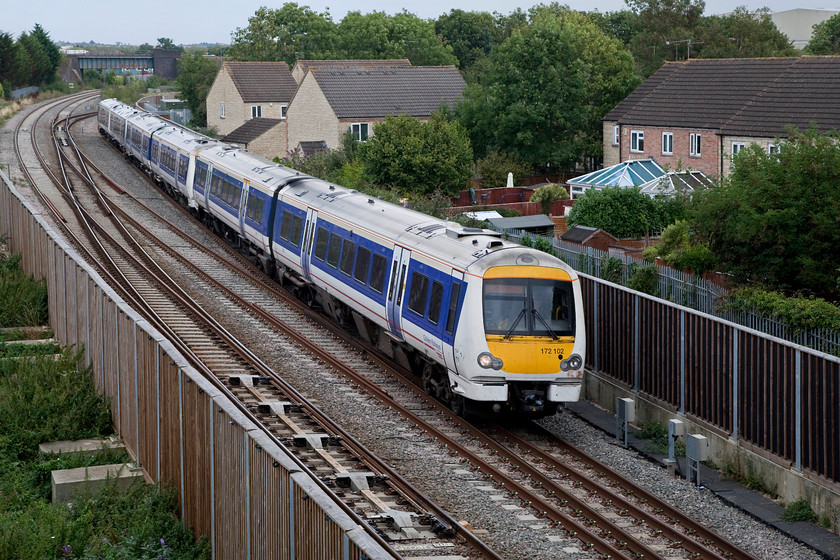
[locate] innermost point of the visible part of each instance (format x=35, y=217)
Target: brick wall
x=310, y=117
x=708, y=162
x=272, y=143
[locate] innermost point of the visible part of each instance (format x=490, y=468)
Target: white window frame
x=283, y=109
x=737, y=147
x=256, y=111
x=616, y=130
x=637, y=139
x=356, y=130
x=772, y=148
x=667, y=143
x=695, y=144
x=221, y=110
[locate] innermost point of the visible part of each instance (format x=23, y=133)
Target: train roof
x=444, y=241
x=271, y=175
x=182, y=138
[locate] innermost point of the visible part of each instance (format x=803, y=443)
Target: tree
x=493, y=169
x=470, y=34
x=422, y=157
x=677, y=249
x=826, y=37
x=548, y=194
x=32, y=61
x=145, y=48
x=8, y=59
x=661, y=22
x=624, y=212
x=51, y=49
x=773, y=222
x=741, y=34
x=167, y=44
x=285, y=34
x=195, y=77
x=546, y=90
x=379, y=36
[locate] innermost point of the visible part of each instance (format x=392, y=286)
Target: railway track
x=569, y=494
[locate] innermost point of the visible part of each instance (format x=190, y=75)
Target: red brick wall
x=708, y=162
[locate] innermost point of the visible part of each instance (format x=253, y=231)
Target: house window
x=283, y=109
x=694, y=145
x=615, y=135
x=667, y=143
x=221, y=110
x=360, y=131
x=637, y=141
x=737, y=147
x=256, y=111
x=773, y=149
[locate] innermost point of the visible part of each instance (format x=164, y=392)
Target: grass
x=23, y=300
x=800, y=510
x=44, y=399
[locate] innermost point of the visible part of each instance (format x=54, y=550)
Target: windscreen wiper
x=513, y=326
x=545, y=324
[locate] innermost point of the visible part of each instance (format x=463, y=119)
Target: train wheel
x=427, y=379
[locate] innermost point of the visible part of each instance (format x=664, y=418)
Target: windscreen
x=528, y=307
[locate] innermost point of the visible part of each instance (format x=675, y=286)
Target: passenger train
x=489, y=326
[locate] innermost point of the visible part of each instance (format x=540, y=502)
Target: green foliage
x=326, y=165
x=286, y=34
x=611, y=269
x=773, y=222
x=526, y=241
x=677, y=250
x=493, y=169
x=548, y=194
x=643, y=279
x=43, y=399
x=471, y=35
x=624, y=212
x=544, y=245
x=23, y=300
x=166, y=43
x=800, y=314
x=545, y=89
x=195, y=78
x=826, y=37
x=657, y=434
x=800, y=510
x=416, y=156
x=741, y=34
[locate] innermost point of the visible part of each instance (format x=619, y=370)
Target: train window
x=348, y=255
x=435, y=301
x=182, y=168
x=377, y=273
x=400, y=286
x=453, y=307
x=297, y=229
x=362, y=265
x=321, y=244
x=255, y=206
x=155, y=152
x=334, y=251
x=286, y=227
x=418, y=296
x=201, y=176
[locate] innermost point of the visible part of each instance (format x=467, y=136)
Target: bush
x=800, y=314
x=800, y=510
x=23, y=300
x=644, y=279
x=624, y=212
x=548, y=194
x=544, y=245
x=493, y=169
x=611, y=269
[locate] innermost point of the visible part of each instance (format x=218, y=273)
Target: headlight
x=574, y=362
x=488, y=361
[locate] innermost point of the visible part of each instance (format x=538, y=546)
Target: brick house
x=250, y=90
x=330, y=101
x=264, y=137
x=697, y=113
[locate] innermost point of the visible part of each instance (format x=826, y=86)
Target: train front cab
x=533, y=330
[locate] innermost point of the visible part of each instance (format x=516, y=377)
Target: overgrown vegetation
x=800, y=313
x=44, y=399
x=493, y=169
x=548, y=194
x=23, y=301
x=800, y=510
x=625, y=212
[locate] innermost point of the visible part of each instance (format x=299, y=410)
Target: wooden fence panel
x=821, y=417
x=659, y=352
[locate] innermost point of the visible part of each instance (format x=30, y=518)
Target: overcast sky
x=213, y=21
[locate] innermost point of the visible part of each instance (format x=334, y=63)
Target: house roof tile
x=416, y=91
x=748, y=96
x=250, y=131
x=262, y=81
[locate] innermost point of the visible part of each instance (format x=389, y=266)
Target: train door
x=308, y=240
x=396, y=287
x=456, y=295
x=243, y=206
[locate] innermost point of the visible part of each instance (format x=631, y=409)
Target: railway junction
x=503, y=490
